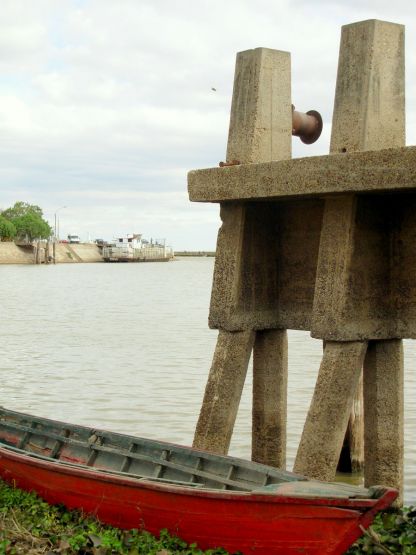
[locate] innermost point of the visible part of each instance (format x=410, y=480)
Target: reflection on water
x=127, y=347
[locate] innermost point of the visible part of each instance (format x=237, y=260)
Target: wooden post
x=352, y=453
x=260, y=130
x=37, y=252
x=368, y=115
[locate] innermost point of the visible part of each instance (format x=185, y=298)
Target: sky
x=105, y=105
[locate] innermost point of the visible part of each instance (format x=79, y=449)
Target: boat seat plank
x=159, y=467
x=127, y=460
x=180, y=467
x=28, y=432
x=59, y=444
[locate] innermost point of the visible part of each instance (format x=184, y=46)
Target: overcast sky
x=105, y=105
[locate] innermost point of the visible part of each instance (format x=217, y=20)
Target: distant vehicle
x=74, y=239
x=100, y=242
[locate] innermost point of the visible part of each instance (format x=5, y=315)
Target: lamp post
x=56, y=237
x=56, y=211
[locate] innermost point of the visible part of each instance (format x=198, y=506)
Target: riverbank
x=10, y=253
x=195, y=253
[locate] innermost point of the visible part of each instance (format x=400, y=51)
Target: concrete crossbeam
x=387, y=170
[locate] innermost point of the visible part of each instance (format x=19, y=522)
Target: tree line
x=23, y=221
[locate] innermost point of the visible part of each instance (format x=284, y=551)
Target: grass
x=30, y=526
x=392, y=532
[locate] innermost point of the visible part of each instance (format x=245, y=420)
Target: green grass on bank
x=30, y=526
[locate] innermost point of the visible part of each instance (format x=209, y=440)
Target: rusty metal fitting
x=232, y=163
x=308, y=127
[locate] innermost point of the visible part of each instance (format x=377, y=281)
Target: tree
x=32, y=227
x=7, y=229
x=28, y=221
x=21, y=209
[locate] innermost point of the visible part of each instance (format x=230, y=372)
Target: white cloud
x=105, y=106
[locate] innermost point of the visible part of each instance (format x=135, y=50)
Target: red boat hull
x=246, y=522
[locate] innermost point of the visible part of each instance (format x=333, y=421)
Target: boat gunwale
x=285, y=475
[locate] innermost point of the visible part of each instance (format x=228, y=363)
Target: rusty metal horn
x=308, y=127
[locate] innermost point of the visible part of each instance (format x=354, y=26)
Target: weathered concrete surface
x=359, y=280
x=383, y=410
x=358, y=285
x=84, y=252
x=12, y=254
x=270, y=398
x=390, y=169
x=330, y=408
x=260, y=130
x=269, y=281
x=261, y=110
x=369, y=111
x=334, y=213
x=223, y=391
x=364, y=285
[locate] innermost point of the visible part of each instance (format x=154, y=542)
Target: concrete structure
x=324, y=244
x=65, y=253
x=260, y=130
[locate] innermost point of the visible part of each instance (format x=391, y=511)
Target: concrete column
x=383, y=410
x=261, y=111
x=223, y=391
x=352, y=270
x=270, y=398
x=260, y=131
x=369, y=109
x=328, y=415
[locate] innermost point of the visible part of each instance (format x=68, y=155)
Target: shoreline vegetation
x=30, y=526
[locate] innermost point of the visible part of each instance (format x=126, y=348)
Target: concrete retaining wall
x=12, y=254
x=78, y=253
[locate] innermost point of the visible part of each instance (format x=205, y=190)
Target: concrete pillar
x=383, y=409
x=223, y=391
x=270, y=398
x=369, y=99
x=352, y=270
x=369, y=114
x=328, y=415
x=260, y=131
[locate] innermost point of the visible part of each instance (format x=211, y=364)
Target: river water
x=127, y=347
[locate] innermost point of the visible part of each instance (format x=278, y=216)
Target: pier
x=324, y=244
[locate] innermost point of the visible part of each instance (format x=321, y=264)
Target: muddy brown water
x=127, y=347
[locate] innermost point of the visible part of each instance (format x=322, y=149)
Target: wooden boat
x=216, y=501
